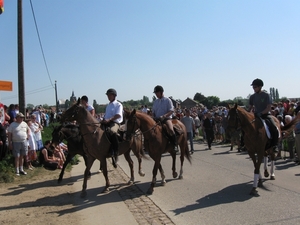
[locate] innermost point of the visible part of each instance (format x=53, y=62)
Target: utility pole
x=21, y=61
x=56, y=98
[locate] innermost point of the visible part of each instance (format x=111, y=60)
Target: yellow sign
x=5, y=85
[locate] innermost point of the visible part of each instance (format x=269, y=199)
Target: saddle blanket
x=268, y=130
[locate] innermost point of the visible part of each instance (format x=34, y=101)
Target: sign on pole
x=5, y=85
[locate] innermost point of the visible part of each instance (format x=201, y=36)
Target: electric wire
x=41, y=46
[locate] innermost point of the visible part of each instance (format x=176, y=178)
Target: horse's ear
x=78, y=101
x=133, y=112
x=235, y=106
x=228, y=106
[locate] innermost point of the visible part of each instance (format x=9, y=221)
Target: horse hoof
x=142, y=174
x=83, y=194
x=130, y=182
x=260, y=183
x=163, y=183
x=272, y=178
x=266, y=174
x=254, y=192
x=106, y=190
x=180, y=177
x=175, y=174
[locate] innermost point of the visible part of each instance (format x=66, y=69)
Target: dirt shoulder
x=38, y=200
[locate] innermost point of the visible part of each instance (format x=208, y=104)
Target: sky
x=213, y=47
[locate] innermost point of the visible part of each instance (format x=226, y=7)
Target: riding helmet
x=257, y=82
x=158, y=88
x=111, y=91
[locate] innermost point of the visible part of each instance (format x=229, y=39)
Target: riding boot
x=115, y=145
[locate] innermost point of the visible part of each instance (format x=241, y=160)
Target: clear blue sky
x=212, y=47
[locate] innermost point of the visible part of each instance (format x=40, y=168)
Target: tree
x=212, y=101
x=200, y=98
x=276, y=95
x=30, y=106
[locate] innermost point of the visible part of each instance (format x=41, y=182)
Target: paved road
x=215, y=190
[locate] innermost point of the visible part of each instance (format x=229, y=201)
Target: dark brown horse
x=97, y=144
x=157, y=143
x=70, y=133
x=255, y=139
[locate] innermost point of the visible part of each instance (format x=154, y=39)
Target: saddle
x=272, y=131
x=177, y=129
x=108, y=133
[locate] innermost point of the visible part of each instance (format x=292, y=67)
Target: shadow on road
x=233, y=193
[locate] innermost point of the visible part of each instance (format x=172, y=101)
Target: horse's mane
x=87, y=114
x=145, y=117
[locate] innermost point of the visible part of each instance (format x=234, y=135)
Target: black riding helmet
x=158, y=88
x=257, y=82
x=111, y=91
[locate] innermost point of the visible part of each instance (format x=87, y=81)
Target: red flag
x=1, y=6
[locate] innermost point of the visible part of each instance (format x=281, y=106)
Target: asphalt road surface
x=215, y=189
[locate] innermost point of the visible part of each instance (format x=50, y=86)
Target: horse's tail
x=187, y=153
x=290, y=126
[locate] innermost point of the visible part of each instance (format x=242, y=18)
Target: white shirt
x=18, y=131
x=112, y=109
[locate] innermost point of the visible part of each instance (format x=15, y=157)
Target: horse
x=256, y=140
x=97, y=144
x=156, y=142
x=70, y=133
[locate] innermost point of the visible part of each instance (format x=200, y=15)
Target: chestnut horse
x=255, y=139
x=156, y=142
x=97, y=144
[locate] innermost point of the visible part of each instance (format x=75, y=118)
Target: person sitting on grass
x=47, y=157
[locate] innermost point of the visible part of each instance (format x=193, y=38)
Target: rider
x=112, y=118
x=163, y=109
x=261, y=102
x=85, y=102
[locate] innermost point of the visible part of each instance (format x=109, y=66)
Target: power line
x=46, y=88
x=37, y=31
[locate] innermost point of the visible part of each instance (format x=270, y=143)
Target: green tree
x=200, y=98
x=212, y=101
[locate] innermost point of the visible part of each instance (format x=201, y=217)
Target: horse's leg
x=154, y=173
x=163, y=177
x=141, y=172
x=68, y=159
x=136, y=149
x=130, y=163
x=85, y=162
x=90, y=162
x=272, y=170
x=257, y=163
x=184, y=150
x=105, y=174
x=266, y=173
x=173, y=154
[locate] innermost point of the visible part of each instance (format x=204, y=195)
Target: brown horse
x=157, y=143
x=97, y=144
x=255, y=139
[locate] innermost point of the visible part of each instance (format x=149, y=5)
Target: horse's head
x=71, y=113
x=233, y=118
x=131, y=123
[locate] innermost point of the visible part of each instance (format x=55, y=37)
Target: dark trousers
x=209, y=137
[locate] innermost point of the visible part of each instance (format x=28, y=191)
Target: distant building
x=189, y=103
